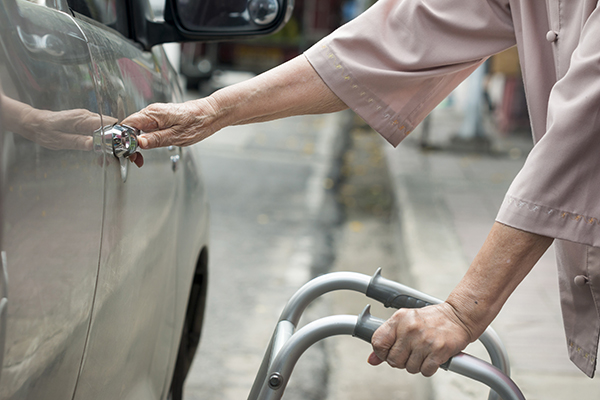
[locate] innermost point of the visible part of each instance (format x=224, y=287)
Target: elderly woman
x=392, y=65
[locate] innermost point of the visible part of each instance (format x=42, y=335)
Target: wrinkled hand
x=420, y=340
x=174, y=124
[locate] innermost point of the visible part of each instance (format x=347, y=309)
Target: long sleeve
x=393, y=64
x=396, y=62
x=558, y=190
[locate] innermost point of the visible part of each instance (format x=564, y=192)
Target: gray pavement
x=270, y=188
x=446, y=202
x=365, y=242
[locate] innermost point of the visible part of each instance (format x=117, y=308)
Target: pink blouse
x=396, y=62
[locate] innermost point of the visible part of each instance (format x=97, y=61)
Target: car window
x=103, y=11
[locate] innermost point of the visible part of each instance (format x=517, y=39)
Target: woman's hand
x=420, y=340
x=174, y=124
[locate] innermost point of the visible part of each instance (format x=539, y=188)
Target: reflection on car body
x=99, y=281
x=103, y=266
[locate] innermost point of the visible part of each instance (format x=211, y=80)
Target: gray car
x=103, y=265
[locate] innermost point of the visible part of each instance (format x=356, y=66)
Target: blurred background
x=296, y=198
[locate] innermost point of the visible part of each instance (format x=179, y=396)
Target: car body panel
x=100, y=267
x=130, y=345
x=52, y=201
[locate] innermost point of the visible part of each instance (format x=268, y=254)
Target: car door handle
x=118, y=140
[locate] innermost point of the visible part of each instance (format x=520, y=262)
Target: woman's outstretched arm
x=293, y=88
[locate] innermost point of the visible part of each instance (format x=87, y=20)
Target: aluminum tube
x=486, y=373
x=296, y=306
x=498, y=355
x=319, y=286
x=284, y=331
x=261, y=375
x=283, y=364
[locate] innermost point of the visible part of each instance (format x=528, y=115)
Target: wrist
x=475, y=314
x=32, y=120
x=210, y=111
x=220, y=109
x=16, y=114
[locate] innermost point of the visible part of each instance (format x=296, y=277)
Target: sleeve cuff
x=546, y=221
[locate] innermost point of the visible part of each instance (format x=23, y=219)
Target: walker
x=287, y=344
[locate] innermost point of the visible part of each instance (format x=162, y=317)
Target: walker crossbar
x=387, y=292
x=363, y=327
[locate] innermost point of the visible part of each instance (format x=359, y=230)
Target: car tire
x=192, y=328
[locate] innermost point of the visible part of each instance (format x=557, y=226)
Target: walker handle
x=396, y=295
x=462, y=364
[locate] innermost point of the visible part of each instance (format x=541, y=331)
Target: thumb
x=374, y=360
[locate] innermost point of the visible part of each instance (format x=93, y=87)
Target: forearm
x=293, y=88
x=13, y=113
x=506, y=257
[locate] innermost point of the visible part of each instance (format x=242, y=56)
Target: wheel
x=192, y=329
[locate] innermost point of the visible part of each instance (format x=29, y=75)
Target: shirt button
x=551, y=36
x=580, y=280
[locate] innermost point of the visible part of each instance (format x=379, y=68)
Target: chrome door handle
x=118, y=140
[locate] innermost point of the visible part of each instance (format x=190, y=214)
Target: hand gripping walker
x=287, y=346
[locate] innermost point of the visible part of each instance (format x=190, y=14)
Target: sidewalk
x=446, y=203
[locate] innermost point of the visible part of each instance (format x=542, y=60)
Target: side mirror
x=206, y=20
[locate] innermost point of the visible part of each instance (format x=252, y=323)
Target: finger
x=64, y=141
x=163, y=138
x=143, y=142
x=137, y=159
x=87, y=144
x=149, y=140
x=398, y=355
x=374, y=360
x=81, y=121
x=414, y=363
x=429, y=367
x=108, y=120
x=382, y=340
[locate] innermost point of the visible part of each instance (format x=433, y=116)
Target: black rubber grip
x=404, y=301
x=394, y=295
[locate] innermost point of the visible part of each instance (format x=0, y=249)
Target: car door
x=51, y=199
x=131, y=338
